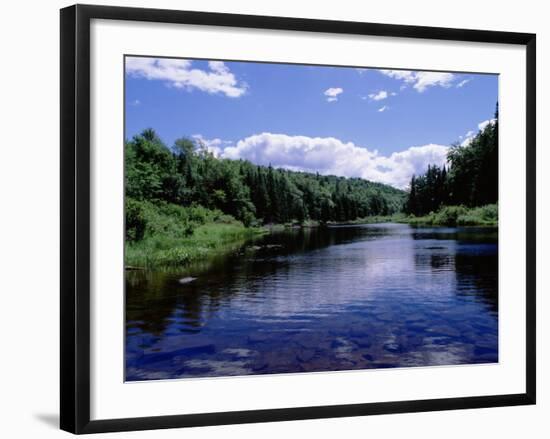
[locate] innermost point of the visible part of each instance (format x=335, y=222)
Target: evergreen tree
x=471, y=178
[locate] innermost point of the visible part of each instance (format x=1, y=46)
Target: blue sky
x=383, y=125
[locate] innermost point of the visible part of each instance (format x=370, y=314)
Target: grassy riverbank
x=165, y=235
x=375, y=219
x=456, y=216
x=446, y=216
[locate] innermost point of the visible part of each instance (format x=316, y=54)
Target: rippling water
x=340, y=298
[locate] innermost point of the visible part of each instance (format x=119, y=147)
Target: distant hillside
x=187, y=175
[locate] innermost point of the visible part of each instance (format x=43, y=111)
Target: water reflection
x=320, y=299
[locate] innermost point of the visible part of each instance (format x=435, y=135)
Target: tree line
x=187, y=174
x=470, y=177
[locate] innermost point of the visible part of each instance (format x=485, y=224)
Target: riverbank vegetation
x=166, y=235
x=451, y=216
x=456, y=216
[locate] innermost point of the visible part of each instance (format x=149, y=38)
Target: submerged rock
x=186, y=280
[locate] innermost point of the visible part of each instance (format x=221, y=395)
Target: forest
x=188, y=175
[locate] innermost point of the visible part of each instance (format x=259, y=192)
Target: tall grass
x=458, y=216
x=166, y=235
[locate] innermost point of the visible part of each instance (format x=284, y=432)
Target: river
x=323, y=299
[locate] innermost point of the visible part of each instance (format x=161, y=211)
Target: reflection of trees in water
x=475, y=264
x=476, y=273
x=436, y=261
x=148, y=304
x=155, y=299
x=460, y=235
x=477, y=277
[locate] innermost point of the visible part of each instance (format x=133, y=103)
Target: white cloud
x=361, y=71
x=384, y=108
x=420, y=81
x=382, y=94
x=179, y=74
x=467, y=138
x=471, y=134
x=218, y=67
x=431, y=79
x=331, y=156
x=213, y=146
x=481, y=125
x=332, y=93
x=404, y=75
x=463, y=83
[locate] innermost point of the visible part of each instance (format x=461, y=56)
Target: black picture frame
x=75, y=217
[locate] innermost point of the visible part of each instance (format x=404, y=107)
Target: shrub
x=136, y=220
x=448, y=215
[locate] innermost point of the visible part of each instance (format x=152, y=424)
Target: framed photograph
x=268, y=218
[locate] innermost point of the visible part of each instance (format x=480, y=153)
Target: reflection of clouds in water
x=138, y=374
x=343, y=348
x=219, y=367
x=451, y=355
x=284, y=320
x=336, y=299
x=329, y=279
x=239, y=352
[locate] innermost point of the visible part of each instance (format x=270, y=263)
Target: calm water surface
x=340, y=298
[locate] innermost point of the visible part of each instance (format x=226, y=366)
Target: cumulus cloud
x=179, y=74
x=382, y=94
x=431, y=79
x=331, y=156
x=332, y=93
x=213, y=146
x=481, y=125
x=419, y=80
x=471, y=134
x=463, y=83
x=384, y=108
x=404, y=75
x=467, y=138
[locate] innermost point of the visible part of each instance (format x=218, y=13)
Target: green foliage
x=457, y=216
x=449, y=215
x=187, y=174
x=163, y=250
x=136, y=220
x=471, y=179
x=146, y=219
x=483, y=215
x=428, y=192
